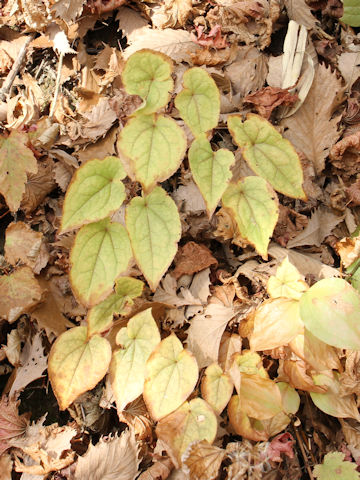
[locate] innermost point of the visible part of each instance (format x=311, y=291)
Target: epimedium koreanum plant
x=152, y=146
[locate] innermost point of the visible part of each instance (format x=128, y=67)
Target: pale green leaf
x=148, y=74
x=192, y=422
x=287, y=282
x=95, y=192
x=77, y=364
x=332, y=402
x=351, y=14
x=199, y=102
x=268, y=153
x=335, y=468
x=127, y=369
x=254, y=207
x=172, y=373
x=154, y=229
x=210, y=170
x=330, y=311
x=216, y=387
x=101, y=252
x=100, y=317
x=155, y=146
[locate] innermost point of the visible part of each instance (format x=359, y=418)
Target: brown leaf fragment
x=11, y=423
x=350, y=378
x=20, y=293
x=320, y=225
x=289, y=225
x=202, y=461
x=353, y=193
x=6, y=465
x=22, y=244
x=16, y=160
x=213, y=57
x=137, y=417
x=177, y=12
x=113, y=457
x=311, y=129
x=38, y=186
x=67, y=10
x=299, y=11
x=160, y=470
x=268, y=98
x=348, y=249
x=192, y=258
x=211, y=39
x=345, y=154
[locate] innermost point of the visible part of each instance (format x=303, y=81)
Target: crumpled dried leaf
x=311, y=129
x=20, y=292
x=111, y=457
x=67, y=10
x=349, y=250
x=268, y=98
x=38, y=186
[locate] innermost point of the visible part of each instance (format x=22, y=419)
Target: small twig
x=303, y=453
x=5, y=89
x=57, y=85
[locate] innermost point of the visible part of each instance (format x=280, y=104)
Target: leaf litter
x=63, y=102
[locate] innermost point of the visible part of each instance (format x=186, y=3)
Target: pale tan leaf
x=33, y=363
x=230, y=344
x=348, y=63
x=311, y=129
x=13, y=347
x=22, y=243
x=205, y=332
x=12, y=425
x=115, y=458
x=6, y=465
x=68, y=10
x=20, y=292
x=130, y=21
x=320, y=225
x=177, y=44
x=202, y=461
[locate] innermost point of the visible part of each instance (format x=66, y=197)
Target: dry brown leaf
x=13, y=347
x=350, y=378
x=320, y=225
x=22, y=243
x=20, y=292
x=130, y=21
x=38, y=186
x=33, y=363
x=114, y=457
x=353, y=193
x=102, y=148
x=191, y=258
x=167, y=293
x=12, y=424
x=202, y=461
x=136, y=416
x=207, y=328
x=349, y=250
x=344, y=155
x=297, y=376
x=160, y=470
x=189, y=199
x=177, y=44
x=177, y=12
x=230, y=344
x=36, y=13
x=311, y=129
x=63, y=174
x=268, y=98
x=251, y=20
x=97, y=121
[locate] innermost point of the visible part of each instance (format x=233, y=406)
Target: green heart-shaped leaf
x=127, y=369
x=269, y=154
x=148, y=74
x=254, y=206
x=77, y=364
x=211, y=170
x=154, y=229
x=199, y=102
x=330, y=310
x=101, y=252
x=351, y=14
x=100, y=317
x=95, y=192
x=172, y=373
x=154, y=145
